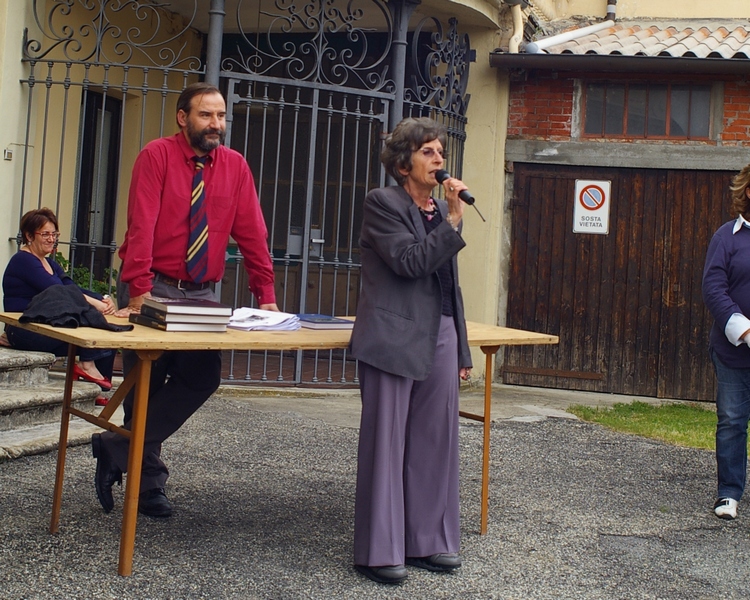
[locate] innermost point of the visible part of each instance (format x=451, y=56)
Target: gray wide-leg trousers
x=407, y=466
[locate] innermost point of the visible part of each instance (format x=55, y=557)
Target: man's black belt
x=181, y=284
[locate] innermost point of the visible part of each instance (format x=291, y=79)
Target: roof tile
x=713, y=38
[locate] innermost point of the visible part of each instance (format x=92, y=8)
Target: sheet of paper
x=255, y=319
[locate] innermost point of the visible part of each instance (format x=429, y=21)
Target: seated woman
x=30, y=271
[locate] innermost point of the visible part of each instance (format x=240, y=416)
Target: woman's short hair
x=407, y=137
x=740, y=201
x=34, y=220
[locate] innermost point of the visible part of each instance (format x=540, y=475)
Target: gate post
x=216, y=16
x=401, y=11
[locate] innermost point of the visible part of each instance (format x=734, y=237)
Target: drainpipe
x=216, y=16
x=401, y=10
x=611, y=10
x=517, y=16
x=538, y=46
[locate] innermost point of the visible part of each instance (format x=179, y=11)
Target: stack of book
x=317, y=321
x=183, y=314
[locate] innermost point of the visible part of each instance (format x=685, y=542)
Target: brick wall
x=736, y=129
x=542, y=108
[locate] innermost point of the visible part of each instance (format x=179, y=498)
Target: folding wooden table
x=149, y=344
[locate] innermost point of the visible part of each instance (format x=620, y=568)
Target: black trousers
x=181, y=381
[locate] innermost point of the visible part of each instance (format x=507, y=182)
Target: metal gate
x=310, y=89
x=313, y=150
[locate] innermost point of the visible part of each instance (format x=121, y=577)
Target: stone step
x=40, y=404
x=19, y=368
x=39, y=439
x=31, y=398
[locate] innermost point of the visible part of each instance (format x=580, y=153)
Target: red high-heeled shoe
x=80, y=374
x=101, y=400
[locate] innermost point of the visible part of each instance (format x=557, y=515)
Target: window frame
x=649, y=85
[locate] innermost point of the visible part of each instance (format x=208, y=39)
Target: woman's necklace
x=429, y=212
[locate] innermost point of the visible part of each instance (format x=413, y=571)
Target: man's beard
x=199, y=140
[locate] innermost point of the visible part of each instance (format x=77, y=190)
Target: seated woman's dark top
x=25, y=277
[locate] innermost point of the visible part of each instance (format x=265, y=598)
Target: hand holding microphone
x=464, y=195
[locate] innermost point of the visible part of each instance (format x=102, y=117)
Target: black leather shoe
x=436, y=562
x=107, y=473
x=394, y=574
x=154, y=503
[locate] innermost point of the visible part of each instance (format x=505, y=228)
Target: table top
x=146, y=338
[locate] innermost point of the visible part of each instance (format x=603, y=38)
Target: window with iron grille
x=679, y=111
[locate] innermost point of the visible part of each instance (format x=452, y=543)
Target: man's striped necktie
x=197, y=252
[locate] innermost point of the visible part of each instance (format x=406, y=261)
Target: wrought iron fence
x=309, y=97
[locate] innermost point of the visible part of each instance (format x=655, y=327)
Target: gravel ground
x=264, y=510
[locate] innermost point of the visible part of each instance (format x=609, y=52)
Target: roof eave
x=620, y=64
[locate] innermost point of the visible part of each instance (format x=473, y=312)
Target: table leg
x=135, y=461
x=62, y=445
x=487, y=421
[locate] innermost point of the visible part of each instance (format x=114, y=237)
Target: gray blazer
x=399, y=310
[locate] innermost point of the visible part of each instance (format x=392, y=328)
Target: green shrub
x=83, y=278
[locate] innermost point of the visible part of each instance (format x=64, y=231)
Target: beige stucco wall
x=14, y=16
x=483, y=171
x=669, y=9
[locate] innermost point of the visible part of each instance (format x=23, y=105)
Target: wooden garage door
x=627, y=306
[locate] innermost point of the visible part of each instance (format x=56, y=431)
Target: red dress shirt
x=159, y=215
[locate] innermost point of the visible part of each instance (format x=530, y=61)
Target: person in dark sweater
x=726, y=292
x=30, y=271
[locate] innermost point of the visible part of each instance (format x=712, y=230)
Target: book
x=168, y=317
x=255, y=319
x=317, y=321
x=188, y=306
x=141, y=319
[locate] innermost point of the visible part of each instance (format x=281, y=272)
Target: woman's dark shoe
x=394, y=574
x=80, y=374
x=101, y=400
x=436, y=562
x=107, y=473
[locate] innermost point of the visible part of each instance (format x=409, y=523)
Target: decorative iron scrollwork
x=321, y=41
x=439, y=67
x=115, y=32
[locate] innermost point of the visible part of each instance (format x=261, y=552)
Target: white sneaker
x=726, y=508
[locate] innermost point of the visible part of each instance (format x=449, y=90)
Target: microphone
x=465, y=195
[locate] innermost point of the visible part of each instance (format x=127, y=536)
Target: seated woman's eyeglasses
x=49, y=235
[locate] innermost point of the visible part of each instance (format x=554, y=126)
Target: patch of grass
x=683, y=424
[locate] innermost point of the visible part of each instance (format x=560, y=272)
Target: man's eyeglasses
x=49, y=235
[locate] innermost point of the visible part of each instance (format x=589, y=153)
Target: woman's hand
x=465, y=373
x=105, y=306
x=453, y=187
x=109, y=306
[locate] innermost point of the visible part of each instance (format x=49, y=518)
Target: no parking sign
x=591, y=207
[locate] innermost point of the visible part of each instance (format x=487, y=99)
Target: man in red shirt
x=154, y=262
